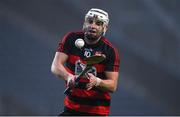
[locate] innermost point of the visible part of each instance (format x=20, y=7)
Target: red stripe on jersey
x=72, y=59
x=100, y=67
x=61, y=44
x=84, y=79
x=90, y=94
x=117, y=60
x=80, y=32
x=104, y=110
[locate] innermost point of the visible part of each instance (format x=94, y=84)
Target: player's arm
x=57, y=67
x=110, y=84
x=111, y=73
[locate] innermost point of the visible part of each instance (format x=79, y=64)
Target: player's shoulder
x=72, y=36
x=110, y=47
x=107, y=42
x=75, y=33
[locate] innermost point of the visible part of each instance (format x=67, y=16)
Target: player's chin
x=91, y=36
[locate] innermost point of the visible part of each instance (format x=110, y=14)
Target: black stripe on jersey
x=89, y=101
x=70, y=66
x=78, y=113
x=101, y=75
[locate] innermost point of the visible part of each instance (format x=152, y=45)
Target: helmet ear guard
x=104, y=30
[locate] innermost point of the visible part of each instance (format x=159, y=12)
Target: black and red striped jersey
x=92, y=101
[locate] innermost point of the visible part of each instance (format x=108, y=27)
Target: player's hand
x=71, y=80
x=93, y=81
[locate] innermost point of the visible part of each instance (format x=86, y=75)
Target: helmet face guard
x=99, y=15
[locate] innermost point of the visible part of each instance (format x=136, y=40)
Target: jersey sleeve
x=65, y=44
x=113, y=60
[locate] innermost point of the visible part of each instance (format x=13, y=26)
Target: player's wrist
x=68, y=77
x=98, y=81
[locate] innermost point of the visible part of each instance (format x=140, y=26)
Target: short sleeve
x=65, y=44
x=113, y=60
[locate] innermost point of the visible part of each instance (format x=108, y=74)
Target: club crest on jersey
x=99, y=53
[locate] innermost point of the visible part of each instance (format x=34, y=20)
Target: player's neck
x=91, y=41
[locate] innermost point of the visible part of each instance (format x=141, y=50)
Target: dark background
x=146, y=32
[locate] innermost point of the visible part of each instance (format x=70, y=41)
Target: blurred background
x=146, y=32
